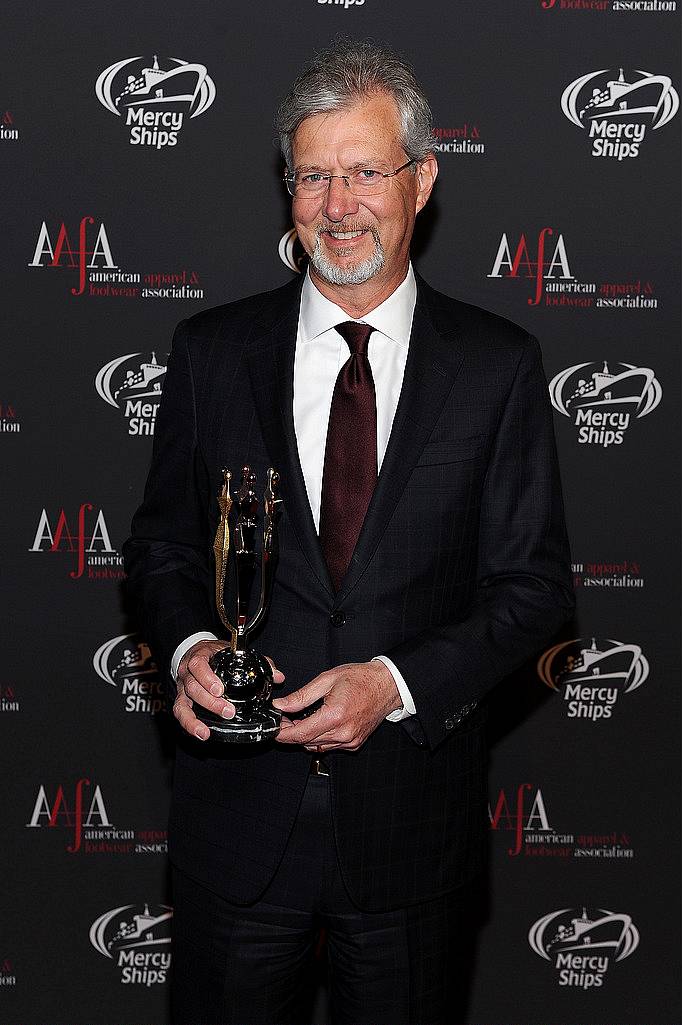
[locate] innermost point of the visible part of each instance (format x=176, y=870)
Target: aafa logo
x=90, y=544
x=539, y=266
x=72, y=815
x=135, y=388
x=582, y=946
x=616, y=112
x=592, y=675
x=85, y=256
x=155, y=102
x=137, y=937
x=521, y=816
x=125, y=662
x=603, y=399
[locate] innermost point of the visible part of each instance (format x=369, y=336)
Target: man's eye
x=367, y=174
x=311, y=179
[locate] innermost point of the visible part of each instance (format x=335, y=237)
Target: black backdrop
x=584, y=762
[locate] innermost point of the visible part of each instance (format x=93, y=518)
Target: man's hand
x=198, y=684
x=356, y=698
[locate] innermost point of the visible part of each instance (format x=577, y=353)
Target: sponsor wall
x=142, y=185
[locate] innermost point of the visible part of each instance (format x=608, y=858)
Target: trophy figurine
x=245, y=675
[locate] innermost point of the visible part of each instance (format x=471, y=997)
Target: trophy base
x=261, y=726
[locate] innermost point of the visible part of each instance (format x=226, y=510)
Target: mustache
x=324, y=228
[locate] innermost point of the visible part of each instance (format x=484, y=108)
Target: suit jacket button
x=338, y=618
x=449, y=724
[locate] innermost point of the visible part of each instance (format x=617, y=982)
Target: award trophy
x=246, y=676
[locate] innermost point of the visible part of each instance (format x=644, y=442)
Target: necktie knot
x=355, y=335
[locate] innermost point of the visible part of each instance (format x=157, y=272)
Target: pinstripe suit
x=461, y=572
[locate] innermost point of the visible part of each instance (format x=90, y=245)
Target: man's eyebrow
x=370, y=162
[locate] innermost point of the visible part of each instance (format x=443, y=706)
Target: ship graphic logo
x=291, y=252
x=594, y=664
x=125, y=657
x=134, y=385
x=129, y=928
x=608, y=96
x=602, y=935
x=114, y=383
x=602, y=399
x=602, y=385
x=126, y=664
x=155, y=101
x=183, y=87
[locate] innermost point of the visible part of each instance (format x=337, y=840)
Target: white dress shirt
x=320, y=354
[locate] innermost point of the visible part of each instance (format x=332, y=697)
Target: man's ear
x=427, y=172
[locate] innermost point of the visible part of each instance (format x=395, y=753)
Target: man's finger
x=198, y=694
x=198, y=667
x=277, y=675
x=182, y=710
x=304, y=696
x=311, y=730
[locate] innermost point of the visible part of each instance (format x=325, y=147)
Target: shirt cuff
x=408, y=708
x=184, y=646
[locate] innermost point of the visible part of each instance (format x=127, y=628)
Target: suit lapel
x=271, y=366
x=433, y=361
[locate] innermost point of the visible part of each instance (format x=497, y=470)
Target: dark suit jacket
x=461, y=572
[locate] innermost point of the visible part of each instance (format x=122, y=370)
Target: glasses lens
x=368, y=181
x=311, y=183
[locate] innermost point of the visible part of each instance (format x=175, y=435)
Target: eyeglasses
x=366, y=181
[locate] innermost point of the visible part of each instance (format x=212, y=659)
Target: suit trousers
x=253, y=965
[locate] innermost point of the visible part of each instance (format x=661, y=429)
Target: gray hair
x=346, y=72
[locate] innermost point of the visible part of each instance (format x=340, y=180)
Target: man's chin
x=338, y=270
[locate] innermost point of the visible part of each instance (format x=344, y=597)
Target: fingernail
x=202, y=732
x=228, y=712
x=217, y=689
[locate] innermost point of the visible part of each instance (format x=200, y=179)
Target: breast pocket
x=454, y=450
x=451, y=463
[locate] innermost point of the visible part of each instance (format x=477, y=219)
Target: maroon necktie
x=350, y=457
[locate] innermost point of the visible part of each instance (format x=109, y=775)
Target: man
x=400, y=599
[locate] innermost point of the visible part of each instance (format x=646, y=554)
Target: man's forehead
x=371, y=122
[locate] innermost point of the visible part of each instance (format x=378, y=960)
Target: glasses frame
x=290, y=181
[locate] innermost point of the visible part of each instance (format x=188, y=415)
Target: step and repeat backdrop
x=141, y=183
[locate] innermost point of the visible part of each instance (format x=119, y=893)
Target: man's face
x=366, y=134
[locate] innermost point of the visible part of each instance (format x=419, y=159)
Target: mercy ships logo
x=155, y=101
x=139, y=943
x=134, y=387
x=591, y=676
x=291, y=252
x=126, y=663
x=616, y=112
x=581, y=947
x=603, y=399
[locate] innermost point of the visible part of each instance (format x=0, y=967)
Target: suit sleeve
x=166, y=556
x=523, y=583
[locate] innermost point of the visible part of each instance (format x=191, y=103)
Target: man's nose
x=339, y=200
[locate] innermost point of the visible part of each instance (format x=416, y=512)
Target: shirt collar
x=393, y=317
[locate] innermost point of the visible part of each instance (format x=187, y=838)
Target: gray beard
x=353, y=275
